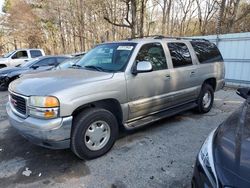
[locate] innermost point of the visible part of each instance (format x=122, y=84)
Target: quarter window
x=206, y=51
x=180, y=54
x=154, y=53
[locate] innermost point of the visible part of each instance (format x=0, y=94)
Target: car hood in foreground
x=232, y=149
x=49, y=82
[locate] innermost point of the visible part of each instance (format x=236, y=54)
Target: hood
x=49, y=82
x=3, y=59
x=232, y=149
x=8, y=70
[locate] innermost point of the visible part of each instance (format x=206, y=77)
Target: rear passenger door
x=183, y=73
x=147, y=92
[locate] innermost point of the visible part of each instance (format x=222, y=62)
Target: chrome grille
x=18, y=103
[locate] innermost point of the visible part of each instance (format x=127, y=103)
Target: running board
x=157, y=116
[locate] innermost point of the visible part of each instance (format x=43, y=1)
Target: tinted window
x=35, y=53
x=61, y=59
x=206, y=52
x=46, y=62
x=154, y=53
x=180, y=54
x=20, y=54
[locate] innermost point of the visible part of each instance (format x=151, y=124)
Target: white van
x=19, y=56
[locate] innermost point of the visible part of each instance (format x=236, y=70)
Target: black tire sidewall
x=205, y=88
x=80, y=126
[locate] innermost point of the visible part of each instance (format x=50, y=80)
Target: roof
x=47, y=56
x=154, y=38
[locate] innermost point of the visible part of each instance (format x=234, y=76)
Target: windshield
x=68, y=63
x=111, y=57
x=8, y=54
x=28, y=63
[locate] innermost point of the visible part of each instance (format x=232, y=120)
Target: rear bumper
x=220, y=84
x=53, y=133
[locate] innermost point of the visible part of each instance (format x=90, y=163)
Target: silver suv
x=125, y=84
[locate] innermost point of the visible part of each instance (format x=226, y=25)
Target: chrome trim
x=13, y=108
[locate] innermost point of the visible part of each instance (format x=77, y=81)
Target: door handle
x=192, y=73
x=168, y=76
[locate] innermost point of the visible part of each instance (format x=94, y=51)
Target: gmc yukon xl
x=116, y=85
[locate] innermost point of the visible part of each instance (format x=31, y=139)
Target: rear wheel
x=205, y=99
x=94, y=133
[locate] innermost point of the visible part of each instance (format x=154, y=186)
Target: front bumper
x=200, y=179
x=52, y=133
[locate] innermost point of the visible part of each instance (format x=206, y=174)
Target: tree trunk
x=134, y=20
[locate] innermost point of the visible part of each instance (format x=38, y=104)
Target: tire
x=204, y=107
x=87, y=127
x=2, y=66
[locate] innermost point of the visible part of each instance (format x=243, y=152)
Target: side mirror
x=243, y=92
x=34, y=66
x=142, y=66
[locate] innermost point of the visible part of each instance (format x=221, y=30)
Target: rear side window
x=180, y=54
x=154, y=53
x=35, y=53
x=61, y=59
x=47, y=62
x=206, y=51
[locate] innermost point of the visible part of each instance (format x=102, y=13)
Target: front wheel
x=205, y=99
x=94, y=133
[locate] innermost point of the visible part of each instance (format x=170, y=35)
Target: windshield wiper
x=95, y=67
x=76, y=66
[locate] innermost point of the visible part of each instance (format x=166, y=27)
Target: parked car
x=125, y=84
x=69, y=62
x=20, y=56
x=224, y=158
x=8, y=74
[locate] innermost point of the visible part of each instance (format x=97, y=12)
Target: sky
x=1, y=5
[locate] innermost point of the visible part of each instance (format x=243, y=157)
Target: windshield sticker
x=125, y=48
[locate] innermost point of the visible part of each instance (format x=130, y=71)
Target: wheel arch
x=211, y=82
x=110, y=104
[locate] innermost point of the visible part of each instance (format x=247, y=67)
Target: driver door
x=19, y=57
x=147, y=92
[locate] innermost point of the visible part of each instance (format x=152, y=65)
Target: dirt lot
x=160, y=155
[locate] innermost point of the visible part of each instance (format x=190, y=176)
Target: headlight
x=207, y=161
x=43, y=102
x=3, y=75
x=44, y=107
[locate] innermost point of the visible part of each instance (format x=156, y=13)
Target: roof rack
x=167, y=37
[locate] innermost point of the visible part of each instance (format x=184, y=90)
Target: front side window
x=111, y=57
x=180, y=54
x=20, y=54
x=206, y=51
x=154, y=53
x=35, y=53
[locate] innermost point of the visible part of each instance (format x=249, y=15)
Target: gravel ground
x=159, y=155
x=3, y=100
